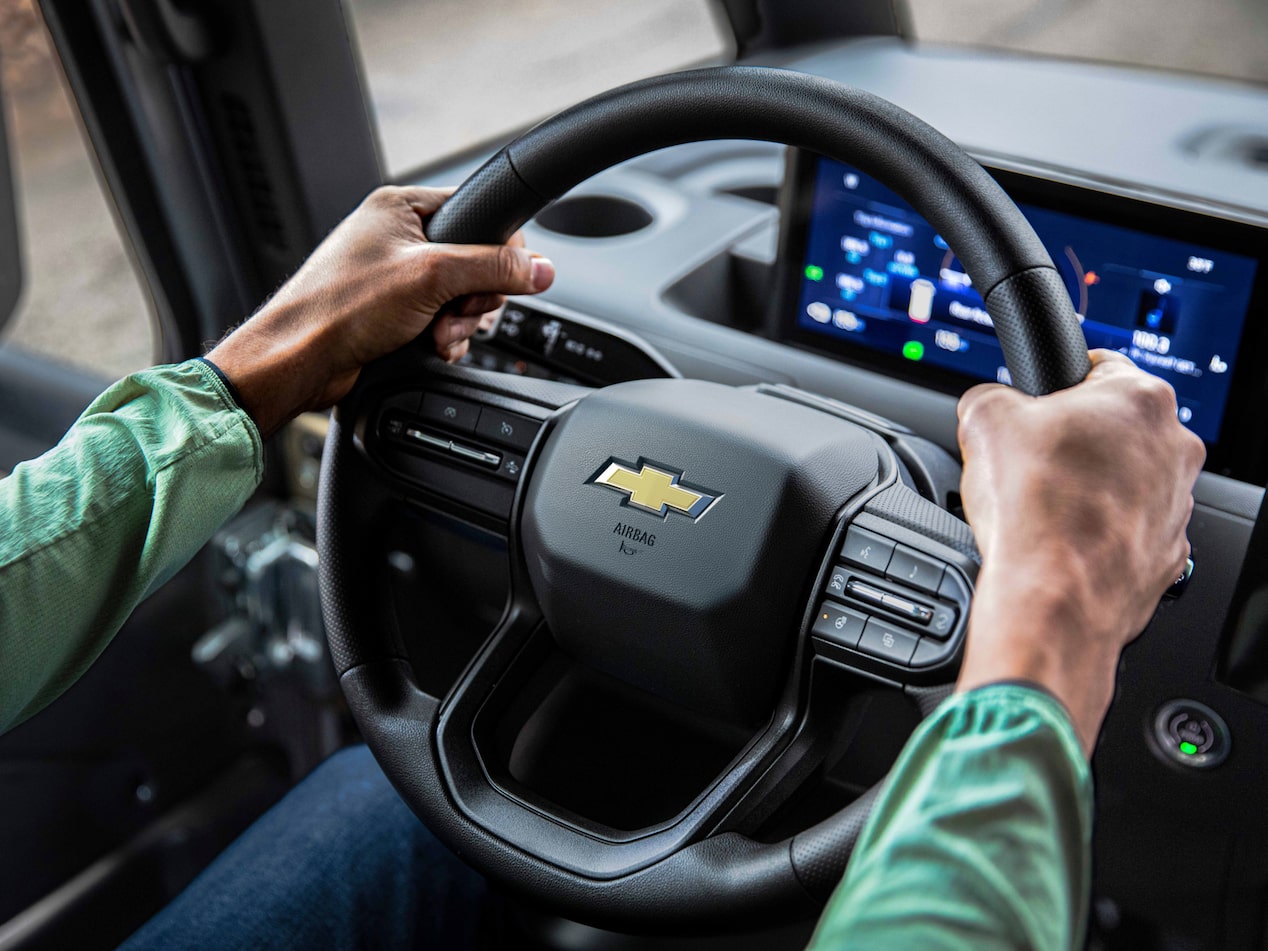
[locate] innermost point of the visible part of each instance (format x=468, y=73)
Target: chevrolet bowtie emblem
x=654, y=489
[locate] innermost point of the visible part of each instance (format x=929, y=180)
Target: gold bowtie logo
x=654, y=489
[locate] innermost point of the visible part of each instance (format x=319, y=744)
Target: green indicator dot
x=814, y=272
x=1188, y=749
x=913, y=350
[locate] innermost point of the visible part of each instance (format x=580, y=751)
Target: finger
x=475, y=305
x=1106, y=362
x=452, y=270
x=451, y=330
x=425, y=201
x=489, y=320
x=974, y=397
x=457, y=351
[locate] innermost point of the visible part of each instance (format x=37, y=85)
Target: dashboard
x=747, y=263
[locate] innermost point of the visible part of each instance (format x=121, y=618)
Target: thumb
x=453, y=270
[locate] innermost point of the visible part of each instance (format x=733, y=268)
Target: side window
x=450, y=74
x=82, y=303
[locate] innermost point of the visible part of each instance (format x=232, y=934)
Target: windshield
x=446, y=75
x=449, y=74
x=1220, y=37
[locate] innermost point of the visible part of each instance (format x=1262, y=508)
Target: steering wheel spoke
x=453, y=438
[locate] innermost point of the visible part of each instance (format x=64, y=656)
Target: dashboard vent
x=253, y=173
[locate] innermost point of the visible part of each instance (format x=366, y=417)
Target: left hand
x=373, y=285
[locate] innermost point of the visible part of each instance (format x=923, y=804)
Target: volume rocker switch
x=415, y=435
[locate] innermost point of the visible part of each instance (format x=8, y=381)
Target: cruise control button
x=867, y=549
x=839, y=625
x=916, y=569
x=450, y=412
x=510, y=429
x=887, y=642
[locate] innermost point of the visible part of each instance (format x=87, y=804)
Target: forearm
x=981, y=837
x=1025, y=626
x=133, y=490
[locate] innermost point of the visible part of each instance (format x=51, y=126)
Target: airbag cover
x=671, y=529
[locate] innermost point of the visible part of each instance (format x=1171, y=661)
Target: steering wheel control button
x=420, y=438
x=920, y=613
x=450, y=413
x=478, y=456
x=508, y=429
x=839, y=625
x=1190, y=734
x=887, y=642
x=867, y=549
x=942, y=623
x=904, y=607
x=863, y=591
x=838, y=582
x=511, y=467
x=910, y=567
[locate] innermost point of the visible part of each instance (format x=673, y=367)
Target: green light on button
x=814, y=272
x=1187, y=748
x=913, y=350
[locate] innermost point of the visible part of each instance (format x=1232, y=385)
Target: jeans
x=341, y=862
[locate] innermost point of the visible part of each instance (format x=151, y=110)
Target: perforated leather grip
x=1043, y=343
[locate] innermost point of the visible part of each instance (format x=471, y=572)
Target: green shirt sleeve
x=139, y=483
x=981, y=837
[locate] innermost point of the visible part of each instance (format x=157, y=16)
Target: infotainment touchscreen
x=875, y=275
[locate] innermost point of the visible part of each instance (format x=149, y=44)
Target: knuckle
x=428, y=262
x=382, y=197
x=1154, y=395
x=508, y=266
x=1195, y=450
x=1160, y=390
x=990, y=403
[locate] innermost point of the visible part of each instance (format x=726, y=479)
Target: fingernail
x=543, y=273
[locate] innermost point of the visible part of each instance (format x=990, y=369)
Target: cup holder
x=594, y=216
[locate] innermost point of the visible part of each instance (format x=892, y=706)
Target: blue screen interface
x=877, y=275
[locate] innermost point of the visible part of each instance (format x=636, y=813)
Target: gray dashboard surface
x=1129, y=131
x=1145, y=128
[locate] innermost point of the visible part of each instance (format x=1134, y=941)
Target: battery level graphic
x=920, y=307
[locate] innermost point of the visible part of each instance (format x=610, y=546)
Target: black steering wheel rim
x=724, y=877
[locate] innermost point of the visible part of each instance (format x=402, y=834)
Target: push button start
x=1191, y=734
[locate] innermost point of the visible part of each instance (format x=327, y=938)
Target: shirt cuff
x=228, y=385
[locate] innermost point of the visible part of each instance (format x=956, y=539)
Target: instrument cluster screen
x=876, y=275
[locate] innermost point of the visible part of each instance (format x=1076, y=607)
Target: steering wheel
x=698, y=558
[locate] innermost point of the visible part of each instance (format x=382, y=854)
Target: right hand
x=1079, y=502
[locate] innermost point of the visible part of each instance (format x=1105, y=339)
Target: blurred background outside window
x=81, y=303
